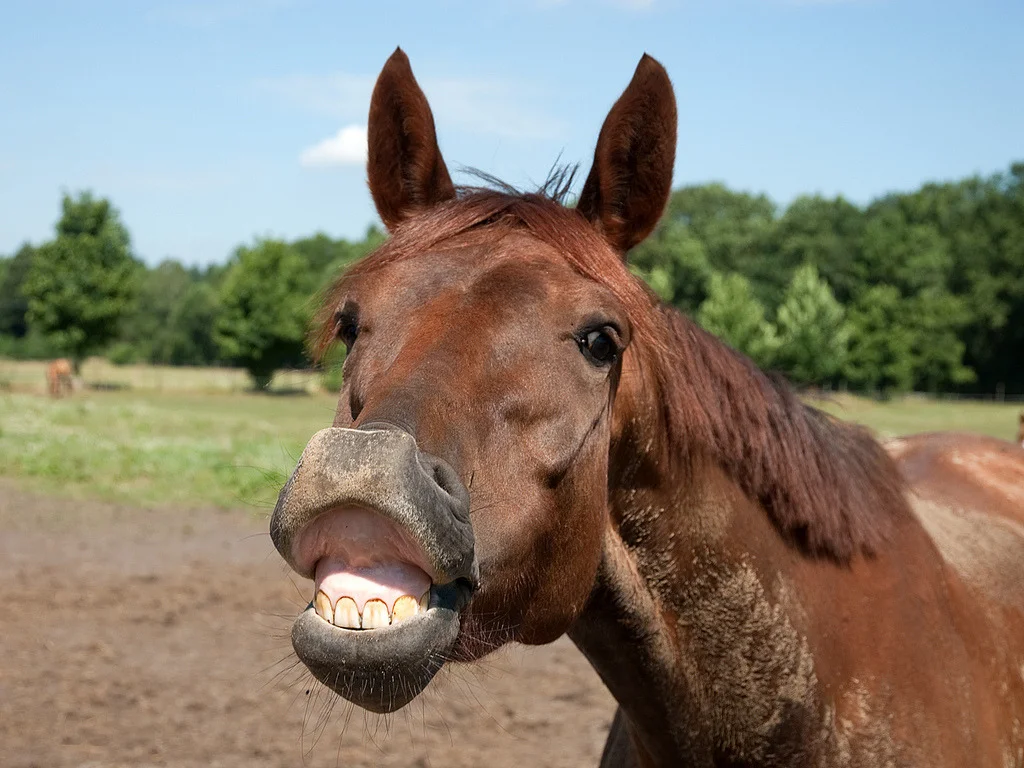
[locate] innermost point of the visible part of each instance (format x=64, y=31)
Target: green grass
x=235, y=450
x=914, y=414
x=30, y=376
x=171, y=449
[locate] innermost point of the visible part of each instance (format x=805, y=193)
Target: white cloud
x=346, y=147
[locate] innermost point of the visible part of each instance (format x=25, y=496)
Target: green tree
x=881, y=354
x=897, y=251
x=13, y=302
x=264, y=301
x=193, y=319
x=147, y=333
x=936, y=318
x=823, y=232
x=675, y=264
x=82, y=283
x=732, y=313
x=812, y=330
x=733, y=229
x=328, y=257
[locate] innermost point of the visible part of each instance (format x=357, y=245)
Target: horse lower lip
x=382, y=669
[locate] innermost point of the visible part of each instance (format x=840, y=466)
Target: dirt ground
x=139, y=637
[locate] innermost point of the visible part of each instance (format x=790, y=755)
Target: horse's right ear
x=405, y=168
x=628, y=187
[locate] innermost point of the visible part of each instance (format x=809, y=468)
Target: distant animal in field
x=58, y=377
x=527, y=444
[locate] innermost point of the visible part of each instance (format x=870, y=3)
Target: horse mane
x=827, y=485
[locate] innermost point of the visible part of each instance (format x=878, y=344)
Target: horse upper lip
x=384, y=471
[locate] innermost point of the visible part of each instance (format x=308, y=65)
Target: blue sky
x=211, y=123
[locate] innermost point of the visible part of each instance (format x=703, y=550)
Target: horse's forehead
x=516, y=268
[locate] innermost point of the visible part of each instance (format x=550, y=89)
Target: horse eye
x=348, y=329
x=599, y=347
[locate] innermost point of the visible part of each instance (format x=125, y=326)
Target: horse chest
x=750, y=672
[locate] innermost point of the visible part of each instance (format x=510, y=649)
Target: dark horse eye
x=599, y=347
x=348, y=329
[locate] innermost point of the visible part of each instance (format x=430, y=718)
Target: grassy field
x=99, y=373
x=919, y=414
x=193, y=444
x=147, y=448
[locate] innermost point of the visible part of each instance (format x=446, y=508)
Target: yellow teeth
x=324, y=608
x=405, y=606
x=346, y=614
x=375, y=613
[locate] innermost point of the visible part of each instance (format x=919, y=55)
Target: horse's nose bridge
x=427, y=395
x=382, y=470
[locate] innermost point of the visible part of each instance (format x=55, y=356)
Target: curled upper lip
x=382, y=470
x=359, y=537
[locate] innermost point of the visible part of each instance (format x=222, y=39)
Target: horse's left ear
x=628, y=187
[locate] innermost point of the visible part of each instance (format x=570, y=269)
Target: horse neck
x=676, y=578
x=679, y=589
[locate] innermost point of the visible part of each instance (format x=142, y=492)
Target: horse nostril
x=441, y=479
x=447, y=480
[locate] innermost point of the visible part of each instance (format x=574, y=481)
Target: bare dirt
x=142, y=637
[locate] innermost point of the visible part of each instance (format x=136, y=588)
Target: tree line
x=914, y=291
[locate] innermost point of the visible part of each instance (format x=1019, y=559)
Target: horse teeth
x=375, y=614
x=405, y=607
x=346, y=614
x=323, y=607
x=425, y=601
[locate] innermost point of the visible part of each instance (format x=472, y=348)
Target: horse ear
x=405, y=169
x=629, y=184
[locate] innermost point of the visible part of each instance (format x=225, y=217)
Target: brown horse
x=58, y=377
x=527, y=445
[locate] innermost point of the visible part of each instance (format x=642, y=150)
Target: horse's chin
x=383, y=669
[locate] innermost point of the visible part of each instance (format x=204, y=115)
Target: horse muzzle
x=384, y=531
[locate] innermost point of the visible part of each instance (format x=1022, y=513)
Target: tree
x=13, y=303
x=674, y=263
x=327, y=257
x=147, y=333
x=82, y=283
x=733, y=228
x=908, y=255
x=881, y=354
x=193, y=319
x=264, y=302
x=812, y=330
x=733, y=314
x=825, y=233
x=936, y=318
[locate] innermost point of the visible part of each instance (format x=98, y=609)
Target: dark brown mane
x=827, y=485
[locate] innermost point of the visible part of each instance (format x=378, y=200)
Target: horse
x=58, y=377
x=527, y=445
